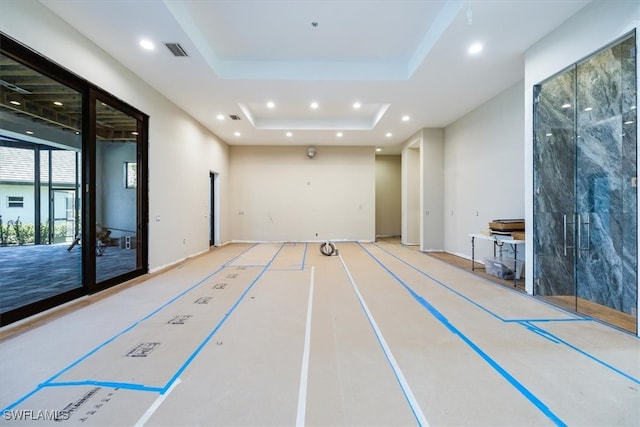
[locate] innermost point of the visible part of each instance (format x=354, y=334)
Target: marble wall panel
x=584, y=165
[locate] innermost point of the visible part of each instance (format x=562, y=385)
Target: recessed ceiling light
x=77, y=132
x=29, y=132
x=389, y=135
x=147, y=44
x=237, y=133
x=339, y=134
x=220, y=117
x=475, y=48
x=357, y=105
x=405, y=118
x=378, y=149
x=270, y=104
x=289, y=134
x=58, y=103
x=14, y=102
x=314, y=105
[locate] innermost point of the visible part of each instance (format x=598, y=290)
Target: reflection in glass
x=585, y=216
x=116, y=194
x=40, y=179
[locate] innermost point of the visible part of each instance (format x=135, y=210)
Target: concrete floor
x=279, y=334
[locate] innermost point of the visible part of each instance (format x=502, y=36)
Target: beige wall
x=279, y=194
x=411, y=185
x=388, y=196
x=432, y=190
x=484, y=170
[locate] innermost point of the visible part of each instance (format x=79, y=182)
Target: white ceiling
x=396, y=57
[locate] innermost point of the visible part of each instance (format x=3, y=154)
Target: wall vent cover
x=176, y=49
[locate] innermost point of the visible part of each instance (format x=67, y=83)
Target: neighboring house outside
x=57, y=193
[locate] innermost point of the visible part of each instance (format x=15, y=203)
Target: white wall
x=279, y=194
x=484, y=176
x=597, y=25
x=118, y=207
x=432, y=190
x=411, y=190
x=181, y=152
x=388, y=196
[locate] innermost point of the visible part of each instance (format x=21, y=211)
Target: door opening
x=214, y=225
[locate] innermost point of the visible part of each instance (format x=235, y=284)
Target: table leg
x=473, y=253
x=515, y=263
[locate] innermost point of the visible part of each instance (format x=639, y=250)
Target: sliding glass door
x=117, y=212
x=40, y=182
x=73, y=194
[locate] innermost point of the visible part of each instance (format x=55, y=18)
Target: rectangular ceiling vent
x=234, y=117
x=176, y=49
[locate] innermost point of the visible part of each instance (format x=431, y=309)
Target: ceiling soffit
x=413, y=30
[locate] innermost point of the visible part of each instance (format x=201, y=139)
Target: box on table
x=518, y=235
x=507, y=224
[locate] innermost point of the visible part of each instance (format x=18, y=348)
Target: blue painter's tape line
x=573, y=319
x=584, y=353
x=540, y=332
x=228, y=263
x=129, y=328
x=573, y=316
x=546, y=335
x=246, y=265
x=109, y=384
x=503, y=372
x=444, y=285
x=219, y=325
x=132, y=326
x=22, y=399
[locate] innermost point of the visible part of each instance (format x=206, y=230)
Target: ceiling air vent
x=176, y=49
x=234, y=117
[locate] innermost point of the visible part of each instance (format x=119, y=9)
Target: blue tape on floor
x=219, y=325
x=49, y=382
x=442, y=319
x=527, y=323
x=461, y=295
x=109, y=384
x=539, y=330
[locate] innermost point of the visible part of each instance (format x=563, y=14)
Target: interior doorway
x=214, y=210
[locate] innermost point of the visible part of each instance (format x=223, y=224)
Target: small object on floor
x=328, y=249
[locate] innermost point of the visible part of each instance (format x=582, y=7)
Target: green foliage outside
x=18, y=233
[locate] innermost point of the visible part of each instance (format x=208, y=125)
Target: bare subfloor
x=281, y=335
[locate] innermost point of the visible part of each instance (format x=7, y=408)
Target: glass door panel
x=606, y=170
x=585, y=184
x=40, y=143
x=554, y=216
x=117, y=211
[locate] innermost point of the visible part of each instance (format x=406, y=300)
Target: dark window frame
x=90, y=92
